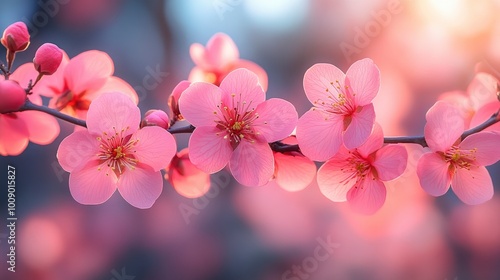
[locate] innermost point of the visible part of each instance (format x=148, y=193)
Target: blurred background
x=423, y=48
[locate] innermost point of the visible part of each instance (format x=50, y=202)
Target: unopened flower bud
x=16, y=37
x=47, y=59
x=173, y=100
x=156, y=118
x=12, y=96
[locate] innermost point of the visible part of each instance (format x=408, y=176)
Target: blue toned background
x=423, y=48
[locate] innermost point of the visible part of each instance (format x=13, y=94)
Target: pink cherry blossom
x=219, y=57
x=357, y=176
x=113, y=153
x=19, y=128
x=451, y=161
x=343, y=110
x=16, y=37
x=292, y=170
x=156, y=117
x=187, y=179
x=80, y=80
x=47, y=59
x=234, y=124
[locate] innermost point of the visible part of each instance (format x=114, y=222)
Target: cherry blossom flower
x=47, y=59
x=187, y=179
x=357, y=176
x=19, y=128
x=173, y=99
x=219, y=57
x=80, y=80
x=234, y=124
x=343, y=111
x=292, y=170
x=16, y=37
x=113, y=153
x=452, y=161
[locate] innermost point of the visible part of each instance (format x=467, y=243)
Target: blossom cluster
x=223, y=104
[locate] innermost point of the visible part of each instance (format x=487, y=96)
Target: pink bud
x=12, y=96
x=16, y=37
x=47, y=59
x=156, y=117
x=173, y=100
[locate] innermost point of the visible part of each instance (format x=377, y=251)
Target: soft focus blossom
x=292, y=170
x=12, y=96
x=358, y=175
x=80, y=80
x=114, y=153
x=234, y=124
x=187, y=179
x=47, y=59
x=219, y=57
x=343, y=110
x=16, y=37
x=173, y=100
x=452, y=161
x=18, y=129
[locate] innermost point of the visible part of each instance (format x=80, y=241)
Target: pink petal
x=484, y=113
x=473, y=186
x=252, y=66
x=209, y=151
x=433, y=173
x=460, y=100
x=14, y=134
x=319, y=138
x=43, y=129
x=360, y=127
x=277, y=119
x=141, y=187
x=484, y=146
x=88, y=71
x=76, y=150
x=155, y=147
x=198, y=104
x=198, y=74
x=368, y=196
x=317, y=80
x=187, y=179
x=114, y=84
x=252, y=164
x=333, y=181
x=482, y=90
x=23, y=74
x=364, y=80
x=374, y=142
x=390, y=162
x=221, y=51
x=444, y=126
x=112, y=112
x=245, y=87
x=197, y=53
x=88, y=185
x=294, y=172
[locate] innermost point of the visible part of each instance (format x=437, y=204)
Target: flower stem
x=29, y=106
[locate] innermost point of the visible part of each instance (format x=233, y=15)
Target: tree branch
x=29, y=106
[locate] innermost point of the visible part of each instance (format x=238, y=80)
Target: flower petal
x=484, y=113
x=252, y=164
x=111, y=113
x=199, y=104
x=209, y=151
x=245, y=87
x=255, y=68
x=482, y=90
x=473, y=186
x=368, y=196
x=24, y=73
x=319, y=138
x=197, y=53
x=277, y=119
x=43, y=129
x=444, y=126
x=374, y=142
x=293, y=172
x=433, y=174
x=140, y=187
x=360, y=127
x=76, y=150
x=390, y=162
x=484, y=146
x=187, y=179
x=318, y=81
x=333, y=181
x=14, y=134
x=363, y=78
x=88, y=71
x=221, y=51
x=90, y=186
x=155, y=147
x=114, y=84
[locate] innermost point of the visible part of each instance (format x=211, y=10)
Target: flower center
x=72, y=102
x=116, y=152
x=338, y=101
x=460, y=158
x=356, y=168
